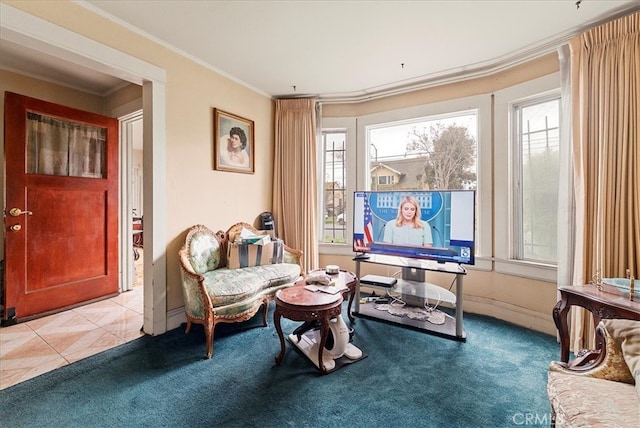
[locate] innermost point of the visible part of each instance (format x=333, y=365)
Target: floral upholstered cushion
x=204, y=251
x=226, y=286
x=603, y=395
x=580, y=401
x=627, y=333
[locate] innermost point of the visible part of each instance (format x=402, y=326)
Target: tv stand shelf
x=453, y=326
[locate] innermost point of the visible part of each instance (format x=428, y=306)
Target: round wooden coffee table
x=298, y=304
x=350, y=282
x=349, y=279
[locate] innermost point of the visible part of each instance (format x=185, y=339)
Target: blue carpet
x=496, y=378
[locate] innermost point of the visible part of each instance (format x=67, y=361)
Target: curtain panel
x=295, y=177
x=65, y=148
x=605, y=93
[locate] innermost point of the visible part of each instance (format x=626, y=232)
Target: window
x=62, y=147
x=536, y=137
x=334, y=198
x=366, y=153
x=513, y=107
x=385, y=179
x=436, y=152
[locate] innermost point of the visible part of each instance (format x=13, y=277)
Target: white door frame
x=125, y=186
x=35, y=33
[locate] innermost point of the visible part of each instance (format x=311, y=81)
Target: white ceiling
x=337, y=50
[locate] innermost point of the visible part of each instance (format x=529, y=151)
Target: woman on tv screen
x=407, y=228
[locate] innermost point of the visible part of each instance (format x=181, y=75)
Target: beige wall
x=131, y=93
x=198, y=194
x=195, y=192
x=24, y=85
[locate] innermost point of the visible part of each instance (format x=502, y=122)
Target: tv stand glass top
x=383, y=259
x=413, y=286
x=424, y=290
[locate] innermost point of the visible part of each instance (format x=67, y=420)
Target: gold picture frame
x=233, y=143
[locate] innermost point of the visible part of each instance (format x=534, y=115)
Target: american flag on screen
x=362, y=239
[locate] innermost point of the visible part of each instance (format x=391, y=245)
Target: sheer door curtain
x=60, y=147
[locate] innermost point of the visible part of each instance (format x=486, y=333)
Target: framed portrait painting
x=233, y=143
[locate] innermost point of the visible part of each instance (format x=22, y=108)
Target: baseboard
x=175, y=318
x=477, y=305
x=542, y=322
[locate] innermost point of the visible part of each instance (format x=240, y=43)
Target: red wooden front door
x=61, y=213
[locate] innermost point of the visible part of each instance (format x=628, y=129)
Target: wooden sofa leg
x=208, y=332
x=188, y=329
x=265, y=305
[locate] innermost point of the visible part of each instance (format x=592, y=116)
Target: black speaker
x=268, y=223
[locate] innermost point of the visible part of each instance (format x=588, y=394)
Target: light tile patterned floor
x=35, y=347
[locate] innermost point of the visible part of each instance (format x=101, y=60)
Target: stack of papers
x=336, y=286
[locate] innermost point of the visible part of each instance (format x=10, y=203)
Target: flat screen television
x=385, y=222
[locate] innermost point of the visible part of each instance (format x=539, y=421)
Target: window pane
x=432, y=153
x=60, y=147
x=538, y=140
x=334, y=200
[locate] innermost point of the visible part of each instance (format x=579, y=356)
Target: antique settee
x=215, y=293
x=604, y=391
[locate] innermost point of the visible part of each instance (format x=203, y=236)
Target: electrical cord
x=455, y=278
x=396, y=301
x=426, y=303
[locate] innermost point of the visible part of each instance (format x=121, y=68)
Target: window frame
x=388, y=179
x=322, y=190
x=518, y=168
x=347, y=125
x=359, y=177
x=504, y=180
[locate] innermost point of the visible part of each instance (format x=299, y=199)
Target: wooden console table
x=601, y=304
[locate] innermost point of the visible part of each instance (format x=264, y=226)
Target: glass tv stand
x=412, y=291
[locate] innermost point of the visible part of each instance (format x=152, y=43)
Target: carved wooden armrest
x=585, y=358
x=606, y=363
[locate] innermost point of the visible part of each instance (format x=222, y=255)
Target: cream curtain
x=605, y=92
x=295, y=177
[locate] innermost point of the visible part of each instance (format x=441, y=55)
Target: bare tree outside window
x=437, y=153
x=449, y=156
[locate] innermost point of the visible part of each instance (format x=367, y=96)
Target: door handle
x=15, y=227
x=17, y=211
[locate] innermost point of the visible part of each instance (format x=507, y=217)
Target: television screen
x=434, y=225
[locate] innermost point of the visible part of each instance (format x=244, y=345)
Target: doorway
x=36, y=34
x=126, y=140
x=61, y=195
x=131, y=200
